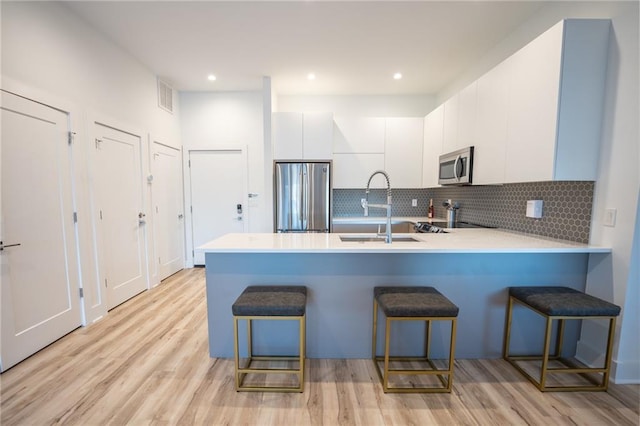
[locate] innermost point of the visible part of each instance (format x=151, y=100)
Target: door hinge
x=75, y=217
x=100, y=214
x=105, y=283
x=193, y=253
x=159, y=261
x=70, y=136
x=81, y=291
x=189, y=162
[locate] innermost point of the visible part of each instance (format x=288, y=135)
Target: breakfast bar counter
x=471, y=267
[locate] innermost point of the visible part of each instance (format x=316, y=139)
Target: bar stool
x=560, y=303
x=413, y=304
x=270, y=303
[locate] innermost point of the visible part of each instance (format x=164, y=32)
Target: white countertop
x=455, y=241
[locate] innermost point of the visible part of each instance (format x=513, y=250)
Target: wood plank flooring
x=147, y=362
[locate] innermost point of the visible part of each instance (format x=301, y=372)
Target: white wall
x=210, y=119
x=51, y=55
x=360, y=105
x=47, y=46
x=618, y=177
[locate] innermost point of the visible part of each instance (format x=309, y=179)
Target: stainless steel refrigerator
x=302, y=196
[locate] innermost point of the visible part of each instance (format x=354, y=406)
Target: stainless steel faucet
x=366, y=205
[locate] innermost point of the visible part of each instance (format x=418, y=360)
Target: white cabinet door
x=467, y=106
x=491, y=126
x=432, y=148
x=533, y=108
x=317, y=136
x=581, y=104
x=359, y=135
x=450, y=125
x=287, y=135
x=353, y=170
x=403, y=151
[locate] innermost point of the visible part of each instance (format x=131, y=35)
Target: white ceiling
x=352, y=47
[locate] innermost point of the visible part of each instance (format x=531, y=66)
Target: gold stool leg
x=374, y=337
x=302, y=351
x=452, y=350
x=236, y=353
x=507, y=332
x=607, y=361
x=387, y=341
x=545, y=356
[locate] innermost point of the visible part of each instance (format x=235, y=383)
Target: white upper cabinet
x=403, y=151
x=287, y=135
x=359, y=135
x=491, y=126
x=450, y=124
x=460, y=120
x=353, y=170
x=467, y=107
x=432, y=147
x=556, y=97
x=317, y=136
x=537, y=116
x=298, y=136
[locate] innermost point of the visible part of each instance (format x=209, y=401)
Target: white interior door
x=117, y=186
x=168, y=209
x=218, y=195
x=40, y=287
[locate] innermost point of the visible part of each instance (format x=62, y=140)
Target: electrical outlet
x=609, y=217
x=414, y=203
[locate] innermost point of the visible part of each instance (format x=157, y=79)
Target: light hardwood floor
x=147, y=362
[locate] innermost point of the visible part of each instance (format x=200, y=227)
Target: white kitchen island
x=472, y=267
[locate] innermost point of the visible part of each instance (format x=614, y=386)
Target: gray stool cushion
x=414, y=302
x=271, y=300
x=563, y=301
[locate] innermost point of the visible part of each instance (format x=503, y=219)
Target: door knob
x=180, y=216
x=3, y=246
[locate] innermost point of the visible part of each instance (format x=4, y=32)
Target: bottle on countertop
x=430, y=211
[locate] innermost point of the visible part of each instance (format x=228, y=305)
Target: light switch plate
x=609, y=217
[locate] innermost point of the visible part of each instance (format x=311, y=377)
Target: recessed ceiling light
x=397, y=76
x=311, y=76
x=211, y=77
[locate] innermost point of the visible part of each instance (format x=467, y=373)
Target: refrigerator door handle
x=305, y=197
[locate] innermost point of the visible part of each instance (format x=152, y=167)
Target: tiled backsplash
x=566, y=211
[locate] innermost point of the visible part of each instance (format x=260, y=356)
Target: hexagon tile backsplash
x=566, y=212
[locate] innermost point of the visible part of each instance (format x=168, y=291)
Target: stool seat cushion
x=564, y=301
x=271, y=300
x=414, y=302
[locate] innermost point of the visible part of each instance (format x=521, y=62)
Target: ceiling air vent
x=165, y=96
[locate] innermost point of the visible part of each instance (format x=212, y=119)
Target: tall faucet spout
x=387, y=206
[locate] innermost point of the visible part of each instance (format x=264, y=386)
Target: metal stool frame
x=569, y=366
x=241, y=372
x=386, y=358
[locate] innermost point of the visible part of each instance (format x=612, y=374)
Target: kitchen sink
x=375, y=239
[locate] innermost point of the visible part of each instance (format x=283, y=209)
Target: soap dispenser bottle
x=430, y=211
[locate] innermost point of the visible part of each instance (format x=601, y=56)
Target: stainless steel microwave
x=456, y=168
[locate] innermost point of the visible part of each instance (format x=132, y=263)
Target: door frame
x=188, y=225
